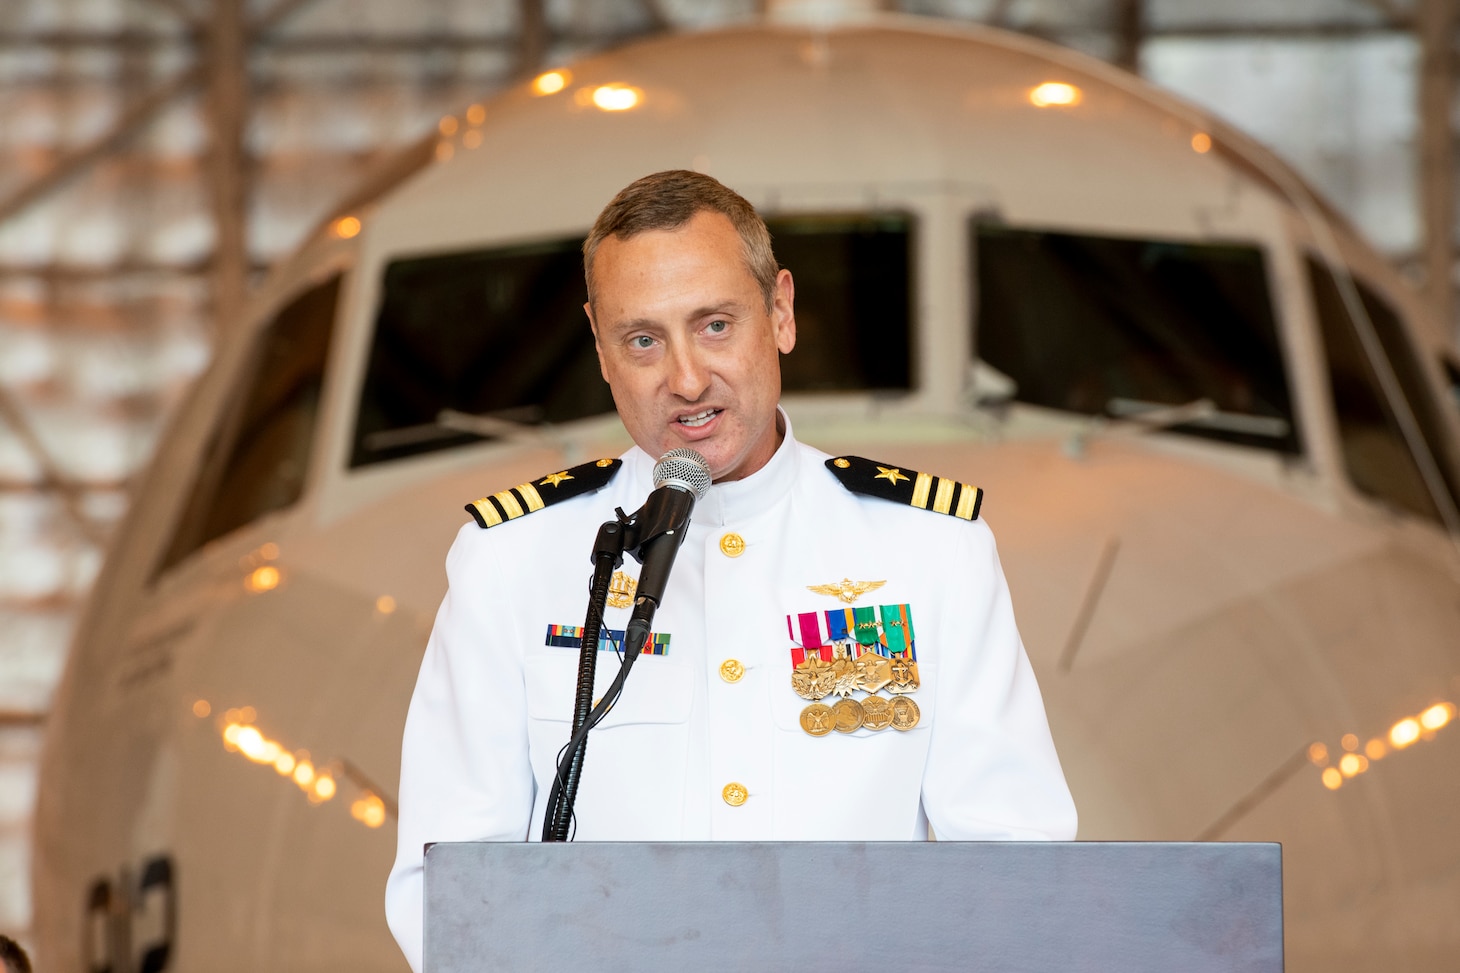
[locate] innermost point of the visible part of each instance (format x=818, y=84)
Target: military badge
x=846, y=589
x=609, y=639
x=854, y=650
x=876, y=713
x=621, y=590
x=905, y=713
x=813, y=678
x=818, y=719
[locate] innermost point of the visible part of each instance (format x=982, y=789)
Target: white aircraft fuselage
x=1211, y=424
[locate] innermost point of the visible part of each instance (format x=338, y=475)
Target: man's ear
x=783, y=312
x=597, y=345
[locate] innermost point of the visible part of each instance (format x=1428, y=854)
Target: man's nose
x=689, y=375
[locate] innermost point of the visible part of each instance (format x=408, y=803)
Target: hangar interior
x=158, y=156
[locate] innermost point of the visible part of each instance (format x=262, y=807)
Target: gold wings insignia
x=846, y=589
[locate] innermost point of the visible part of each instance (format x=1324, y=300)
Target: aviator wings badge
x=621, y=590
x=846, y=589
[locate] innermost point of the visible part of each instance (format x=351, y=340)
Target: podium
x=892, y=907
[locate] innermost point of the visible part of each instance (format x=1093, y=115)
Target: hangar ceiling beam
x=277, y=14
x=52, y=479
x=532, y=47
x=133, y=119
x=227, y=107
x=1130, y=16
x=658, y=19
x=1393, y=12
x=1436, y=24
x=180, y=9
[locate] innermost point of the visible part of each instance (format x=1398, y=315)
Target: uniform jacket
x=494, y=698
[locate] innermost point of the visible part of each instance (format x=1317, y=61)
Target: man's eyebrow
x=724, y=307
x=709, y=310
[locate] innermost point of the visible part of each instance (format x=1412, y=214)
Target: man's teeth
x=699, y=419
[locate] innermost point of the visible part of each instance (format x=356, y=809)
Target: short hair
x=12, y=957
x=670, y=199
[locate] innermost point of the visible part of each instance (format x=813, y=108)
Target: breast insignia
x=534, y=495
x=915, y=489
x=846, y=589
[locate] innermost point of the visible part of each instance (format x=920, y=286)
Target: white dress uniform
x=706, y=742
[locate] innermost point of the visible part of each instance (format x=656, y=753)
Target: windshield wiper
x=521, y=423
x=1201, y=412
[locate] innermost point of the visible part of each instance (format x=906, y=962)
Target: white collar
x=734, y=500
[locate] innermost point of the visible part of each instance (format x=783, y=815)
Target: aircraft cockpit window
x=1376, y=454
x=259, y=455
x=853, y=277
x=494, y=334
x=1176, y=334
x=487, y=344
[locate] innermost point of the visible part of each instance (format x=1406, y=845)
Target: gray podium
x=888, y=907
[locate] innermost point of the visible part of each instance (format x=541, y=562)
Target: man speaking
x=836, y=656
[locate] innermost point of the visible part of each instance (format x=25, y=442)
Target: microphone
x=681, y=478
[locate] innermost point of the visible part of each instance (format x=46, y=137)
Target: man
x=779, y=697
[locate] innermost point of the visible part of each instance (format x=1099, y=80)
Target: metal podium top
x=892, y=907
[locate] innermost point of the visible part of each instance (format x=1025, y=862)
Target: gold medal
x=849, y=715
x=846, y=673
x=813, y=678
x=818, y=719
x=905, y=713
x=904, y=673
x=873, y=672
x=876, y=713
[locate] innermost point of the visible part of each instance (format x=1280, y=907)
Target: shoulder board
x=526, y=498
x=915, y=489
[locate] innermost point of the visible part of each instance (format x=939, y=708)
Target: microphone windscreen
x=684, y=469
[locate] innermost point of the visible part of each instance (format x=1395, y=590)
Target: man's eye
x=717, y=327
x=642, y=341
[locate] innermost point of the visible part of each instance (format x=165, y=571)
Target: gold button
x=735, y=794
x=731, y=670
x=732, y=545
x=605, y=462
x=841, y=464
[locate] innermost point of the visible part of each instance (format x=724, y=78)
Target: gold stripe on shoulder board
x=535, y=495
x=938, y=494
x=487, y=511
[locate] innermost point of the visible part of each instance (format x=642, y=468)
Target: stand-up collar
x=737, y=499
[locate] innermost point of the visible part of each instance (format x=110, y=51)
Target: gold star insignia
x=846, y=589
x=553, y=479
x=890, y=474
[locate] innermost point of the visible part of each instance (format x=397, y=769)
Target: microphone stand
x=608, y=555
x=651, y=525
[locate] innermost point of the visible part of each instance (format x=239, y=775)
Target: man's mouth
x=698, y=419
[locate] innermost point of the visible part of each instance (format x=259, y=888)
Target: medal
x=873, y=672
x=856, y=649
x=905, y=713
x=813, y=678
x=876, y=713
x=845, y=669
x=818, y=719
x=849, y=715
x=904, y=674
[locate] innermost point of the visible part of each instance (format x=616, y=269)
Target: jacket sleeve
x=465, y=772
x=992, y=770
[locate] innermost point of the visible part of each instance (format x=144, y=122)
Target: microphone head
x=684, y=469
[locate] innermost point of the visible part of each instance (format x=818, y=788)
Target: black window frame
x=401, y=416
x=210, y=512
x=1434, y=425
x=1276, y=388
